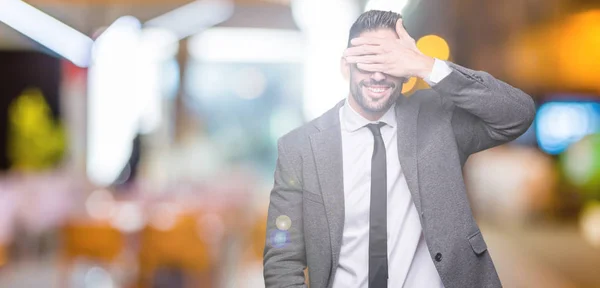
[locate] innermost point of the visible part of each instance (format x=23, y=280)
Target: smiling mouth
x=377, y=91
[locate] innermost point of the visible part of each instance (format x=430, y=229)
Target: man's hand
x=395, y=57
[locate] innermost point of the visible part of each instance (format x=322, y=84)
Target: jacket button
x=438, y=257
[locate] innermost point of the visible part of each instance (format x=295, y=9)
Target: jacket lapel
x=327, y=150
x=406, y=116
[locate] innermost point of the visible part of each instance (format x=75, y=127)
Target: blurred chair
x=95, y=241
x=3, y=255
x=176, y=249
x=259, y=237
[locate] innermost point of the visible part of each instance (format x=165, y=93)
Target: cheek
x=357, y=78
x=354, y=80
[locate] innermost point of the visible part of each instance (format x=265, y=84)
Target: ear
x=345, y=68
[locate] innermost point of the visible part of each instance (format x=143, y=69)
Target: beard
x=361, y=99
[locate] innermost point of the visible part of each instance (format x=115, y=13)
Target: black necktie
x=378, y=262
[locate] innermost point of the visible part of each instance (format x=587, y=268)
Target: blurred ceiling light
x=113, y=100
x=119, y=28
x=194, y=17
x=321, y=16
x=156, y=47
x=159, y=43
x=434, y=46
x=46, y=30
x=247, y=45
x=124, y=92
x=325, y=25
x=397, y=6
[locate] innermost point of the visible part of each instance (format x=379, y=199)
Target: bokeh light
x=559, y=124
x=577, y=53
x=97, y=277
x=128, y=218
x=590, y=223
x=408, y=86
x=567, y=46
x=251, y=83
x=283, y=222
x=278, y=238
x=509, y=184
x=100, y=204
x=164, y=216
x=434, y=46
x=581, y=164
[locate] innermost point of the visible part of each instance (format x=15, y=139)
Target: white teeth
x=376, y=90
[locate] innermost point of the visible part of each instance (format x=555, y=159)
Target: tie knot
x=375, y=128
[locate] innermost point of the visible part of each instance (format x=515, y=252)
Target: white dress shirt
x=409, y=261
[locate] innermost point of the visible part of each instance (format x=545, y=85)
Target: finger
x=367, y=41
x=366, y=59
x=363, y=50
x=372, y=67
x=402, y=33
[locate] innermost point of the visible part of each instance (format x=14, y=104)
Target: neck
x=369, y=115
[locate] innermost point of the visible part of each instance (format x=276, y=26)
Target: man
x=371, y=193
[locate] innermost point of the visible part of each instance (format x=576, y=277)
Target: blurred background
x=138, y=137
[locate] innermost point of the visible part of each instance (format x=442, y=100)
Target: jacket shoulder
x=431, y=100
x=299, y=138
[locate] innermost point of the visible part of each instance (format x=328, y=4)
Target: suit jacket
x=438, y=128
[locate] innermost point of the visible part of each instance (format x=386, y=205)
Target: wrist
x=425, y=67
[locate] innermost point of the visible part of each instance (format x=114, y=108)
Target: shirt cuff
x=440, y=71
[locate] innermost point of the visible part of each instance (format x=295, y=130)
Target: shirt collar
x=353, y=121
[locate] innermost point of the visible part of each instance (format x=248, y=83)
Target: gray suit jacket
x=466, y=112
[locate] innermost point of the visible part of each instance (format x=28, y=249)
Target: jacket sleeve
x=486, y=112
x=284, y=254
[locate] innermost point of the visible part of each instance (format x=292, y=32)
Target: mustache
x=377, y=83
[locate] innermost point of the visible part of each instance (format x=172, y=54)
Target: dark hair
x=373, y=20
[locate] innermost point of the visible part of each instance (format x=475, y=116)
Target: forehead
x=380, y=33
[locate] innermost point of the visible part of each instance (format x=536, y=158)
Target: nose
x=378, y=76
